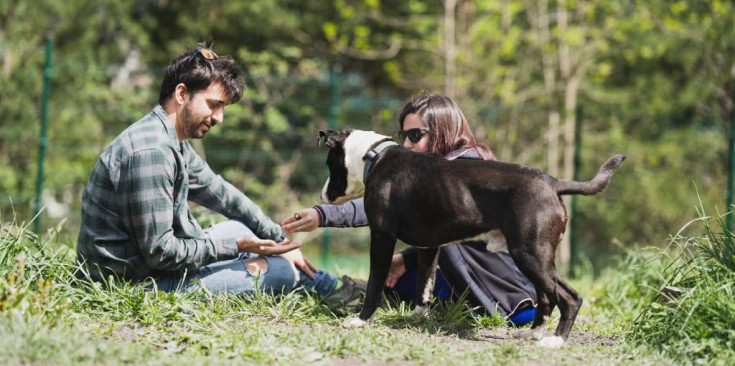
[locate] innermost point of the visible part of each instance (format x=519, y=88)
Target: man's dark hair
x=197, y=72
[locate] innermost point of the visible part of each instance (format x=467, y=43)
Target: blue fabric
x=232, y=275
x=406, y=286
x=523, y=317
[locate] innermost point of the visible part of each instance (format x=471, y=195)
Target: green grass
x=48, y=316
x=699, y=325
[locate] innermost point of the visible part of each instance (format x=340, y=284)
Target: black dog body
x=427, y=201
x=430, y=216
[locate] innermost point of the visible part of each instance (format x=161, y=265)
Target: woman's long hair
x=449, y=131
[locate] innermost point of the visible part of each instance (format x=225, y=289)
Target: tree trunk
x=450, y=10
x=542, y=23
x=7, y=59
x=564, y=253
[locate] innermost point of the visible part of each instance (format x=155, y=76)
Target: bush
x=695, y=322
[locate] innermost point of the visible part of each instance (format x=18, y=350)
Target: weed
x=697, y=323
x=50, y=316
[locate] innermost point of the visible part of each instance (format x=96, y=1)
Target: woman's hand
x=304, y=220
x=252, y=244
x=396, y=271
x=297, y=260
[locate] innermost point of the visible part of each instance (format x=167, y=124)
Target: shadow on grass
x=452, y=317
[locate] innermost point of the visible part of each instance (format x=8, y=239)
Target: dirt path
x=496, y=346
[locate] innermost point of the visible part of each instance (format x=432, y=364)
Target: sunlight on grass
x=694, y=319
x=50, y=316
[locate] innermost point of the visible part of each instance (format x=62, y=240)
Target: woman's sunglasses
x=414, y=135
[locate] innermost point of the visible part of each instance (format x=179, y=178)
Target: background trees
x=652, y=79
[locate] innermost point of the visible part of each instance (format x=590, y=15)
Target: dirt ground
x=482, y=346
x=583, y=348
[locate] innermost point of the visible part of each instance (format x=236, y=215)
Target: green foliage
x=654, y=84
x=22, y=299
x=615, y=297
x=697, y=322
x=48, y=316
x=652, y=190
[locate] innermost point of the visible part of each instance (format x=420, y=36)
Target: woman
x=493, y=283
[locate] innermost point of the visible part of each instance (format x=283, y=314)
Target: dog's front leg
x=427, y=259
x=381, y=253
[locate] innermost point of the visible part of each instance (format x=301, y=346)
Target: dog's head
x=346, y=162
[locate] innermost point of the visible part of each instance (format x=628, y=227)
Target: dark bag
x=492, y=280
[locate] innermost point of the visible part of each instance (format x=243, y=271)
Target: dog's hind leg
x=381, y=252
x=569, y=304
x=427, y=259
x=526, y=255
x=555, y=292
x=540, y=321
x=536, y=261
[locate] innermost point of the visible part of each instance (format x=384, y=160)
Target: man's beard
x=190, y=124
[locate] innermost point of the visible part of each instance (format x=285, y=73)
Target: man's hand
x=297, y=260
x=256, y=245
x=304, y=220
x=396, y=271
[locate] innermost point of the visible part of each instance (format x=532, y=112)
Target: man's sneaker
x=348, y=298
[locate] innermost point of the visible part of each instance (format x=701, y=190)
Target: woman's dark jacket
x=492, y=281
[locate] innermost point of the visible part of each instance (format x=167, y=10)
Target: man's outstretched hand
x=286, y=249
x=265, y=246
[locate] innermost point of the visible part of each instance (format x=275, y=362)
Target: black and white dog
x=427, y=201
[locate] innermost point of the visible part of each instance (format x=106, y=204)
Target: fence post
x=43, y=141
x=335, y=86
x=731, y=167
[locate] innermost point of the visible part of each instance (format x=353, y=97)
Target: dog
x=428, y=201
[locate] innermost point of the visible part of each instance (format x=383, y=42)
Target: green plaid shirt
x=136, y=221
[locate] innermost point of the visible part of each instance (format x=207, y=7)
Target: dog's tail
x=596, y=185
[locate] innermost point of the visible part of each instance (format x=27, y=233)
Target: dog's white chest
x=495, y=240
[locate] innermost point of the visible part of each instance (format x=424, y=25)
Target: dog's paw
x=536, y=334
x=353, y=322
x=421, y=310
x=523, y=334
x=551, y=342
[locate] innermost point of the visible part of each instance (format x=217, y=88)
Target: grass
x=48, y=316
x=699, y=324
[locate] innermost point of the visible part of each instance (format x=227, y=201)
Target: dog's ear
x=330, y=138
x=321, y=138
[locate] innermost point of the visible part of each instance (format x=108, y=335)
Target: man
x=136, y=223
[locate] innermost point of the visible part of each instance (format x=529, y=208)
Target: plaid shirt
x=136, y=221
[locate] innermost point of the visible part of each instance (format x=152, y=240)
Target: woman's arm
x=349, y=214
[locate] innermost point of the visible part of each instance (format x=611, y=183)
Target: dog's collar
x=372, y=155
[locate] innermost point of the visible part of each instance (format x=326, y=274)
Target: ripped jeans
x=232, y=275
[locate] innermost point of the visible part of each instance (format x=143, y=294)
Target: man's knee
x=280, y=276
x=228, y=229
x=256, y=266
